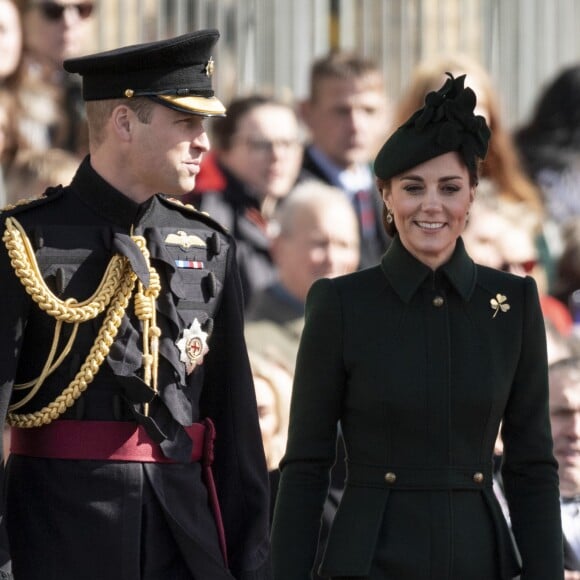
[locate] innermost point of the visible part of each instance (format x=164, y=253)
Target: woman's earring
x=389, y=216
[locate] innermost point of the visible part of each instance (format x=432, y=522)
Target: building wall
x=269, y=44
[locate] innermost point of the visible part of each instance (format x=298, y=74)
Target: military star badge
x=499, y=303
x=192, y=346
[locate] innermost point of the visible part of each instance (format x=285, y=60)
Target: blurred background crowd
x=314, y=87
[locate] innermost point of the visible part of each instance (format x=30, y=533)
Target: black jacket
x=82, y=519
x=420, y=367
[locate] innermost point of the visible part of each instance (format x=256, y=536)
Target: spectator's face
x=10, y=39
x=55, y=34
x=347, y=119
x=565, y=418
x=323, y=243
x=482, y=234
x=165, y=154
x=430, y=204
x=266, y=153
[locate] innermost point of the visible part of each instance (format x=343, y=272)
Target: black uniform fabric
x=175, y=72
x=236, y=208
x=90, y=519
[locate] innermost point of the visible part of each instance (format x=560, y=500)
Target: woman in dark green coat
x=419, y=360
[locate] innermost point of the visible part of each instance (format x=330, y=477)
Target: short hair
x=342, y=65
x=568, y=367
x=310, y=195
x=224, y=128
x=98, y=113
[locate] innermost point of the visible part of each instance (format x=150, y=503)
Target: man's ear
x=122, y=118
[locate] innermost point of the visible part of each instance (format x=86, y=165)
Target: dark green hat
x=446, y=123
x=175, y=72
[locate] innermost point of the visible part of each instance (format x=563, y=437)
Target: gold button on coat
x=438, y=301
x=390, y=477
x=478, y=477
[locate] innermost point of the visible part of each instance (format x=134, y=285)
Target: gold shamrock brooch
x=499, y=303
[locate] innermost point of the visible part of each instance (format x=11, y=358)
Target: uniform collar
x=104, y=199
x=405, y=273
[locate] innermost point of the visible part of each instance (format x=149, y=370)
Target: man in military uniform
x=124, y=370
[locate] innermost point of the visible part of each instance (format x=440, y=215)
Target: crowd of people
x=307, y=191
x=41, y=105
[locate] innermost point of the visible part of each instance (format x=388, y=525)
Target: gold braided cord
x=52, y=367
x=114, y=290
x=146, y=312
x=48, y=368
x=24, y=262
x=90, y=367
x=20, y=202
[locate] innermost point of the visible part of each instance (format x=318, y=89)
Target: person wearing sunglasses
x=51, y=98
x=501, y=234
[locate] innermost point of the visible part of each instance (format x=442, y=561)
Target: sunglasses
x=55, y=11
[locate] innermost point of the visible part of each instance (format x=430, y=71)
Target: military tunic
x=420, y=367
x=85, y=518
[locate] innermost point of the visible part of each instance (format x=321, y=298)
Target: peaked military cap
x=446, y=123
x=175, y=72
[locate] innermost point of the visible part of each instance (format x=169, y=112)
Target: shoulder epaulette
x=49, y=195
x=200, y=215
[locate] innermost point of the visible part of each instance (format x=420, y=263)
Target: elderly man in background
x=317, y=238
x=565, y=418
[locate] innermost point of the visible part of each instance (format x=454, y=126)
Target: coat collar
x=405, y=273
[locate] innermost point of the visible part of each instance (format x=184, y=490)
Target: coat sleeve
x=530, y=471
x=14, y=307
x=240, y=471
x=311, y=448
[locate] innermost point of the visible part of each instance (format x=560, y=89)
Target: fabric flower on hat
x=446, y=123
x=453, y=106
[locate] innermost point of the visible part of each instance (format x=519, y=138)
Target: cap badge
x=185, y=241
x=192, y=346
x=499, y=303
x=129, y=93
x=210, y=67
